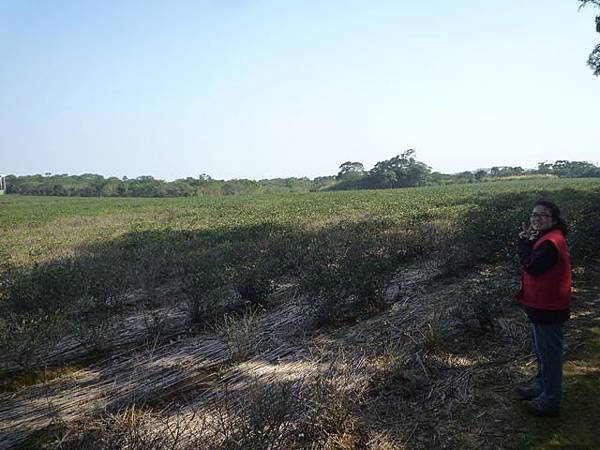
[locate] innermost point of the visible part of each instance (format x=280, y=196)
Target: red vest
x=551, y=289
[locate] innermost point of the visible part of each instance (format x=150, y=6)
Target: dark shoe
x=535, y=408
x=526, y=393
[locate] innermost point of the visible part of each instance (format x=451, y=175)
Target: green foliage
x=594, y=58
x=206, y=293
x=92, y=185
x=405, y=171
x=229, y=253
x=26, y=338
x=350, y=171
x=94, y=321
x=583, y=218
x=254, y=278
x=402, y=170
x=575, y=169
x=350, y=266
x=45, y=287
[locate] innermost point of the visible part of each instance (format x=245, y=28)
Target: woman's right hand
x=528, y=233
x=525, y=231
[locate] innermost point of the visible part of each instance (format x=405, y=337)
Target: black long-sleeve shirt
x=535, y=262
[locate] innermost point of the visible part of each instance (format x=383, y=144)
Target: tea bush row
x=341, y=264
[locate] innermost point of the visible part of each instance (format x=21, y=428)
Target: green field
x=29, y=222
x=67, y=263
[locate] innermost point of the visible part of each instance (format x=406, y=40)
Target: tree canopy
x=594, y=58
x=402, y=170
x=350, y=169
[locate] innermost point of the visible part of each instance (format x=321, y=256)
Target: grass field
x=362, y=283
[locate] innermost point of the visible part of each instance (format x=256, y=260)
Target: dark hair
x=560, y=223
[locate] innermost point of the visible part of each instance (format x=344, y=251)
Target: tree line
x=94, y=185
x=403, y=170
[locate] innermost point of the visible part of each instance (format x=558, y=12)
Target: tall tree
x=350, y=169
x=401, y=171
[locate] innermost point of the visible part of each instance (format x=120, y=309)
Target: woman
x=545, y=296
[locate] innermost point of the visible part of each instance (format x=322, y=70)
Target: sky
x=276, y=88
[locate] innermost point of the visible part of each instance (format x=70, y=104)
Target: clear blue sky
x=263, y=89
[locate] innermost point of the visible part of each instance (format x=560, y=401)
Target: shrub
x=27, y=338
x=481, y=305
x=94, y=321
x=254, y=279
x=350, y=266
x=262, y=418
x=207, y=293
x=241, y=333
x=584, y=225
x=45, y=287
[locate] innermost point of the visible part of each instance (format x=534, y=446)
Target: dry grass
x=412, y=376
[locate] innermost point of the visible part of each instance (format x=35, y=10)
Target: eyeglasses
x=540, y=216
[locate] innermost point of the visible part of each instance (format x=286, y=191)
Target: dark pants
x=547, y=346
